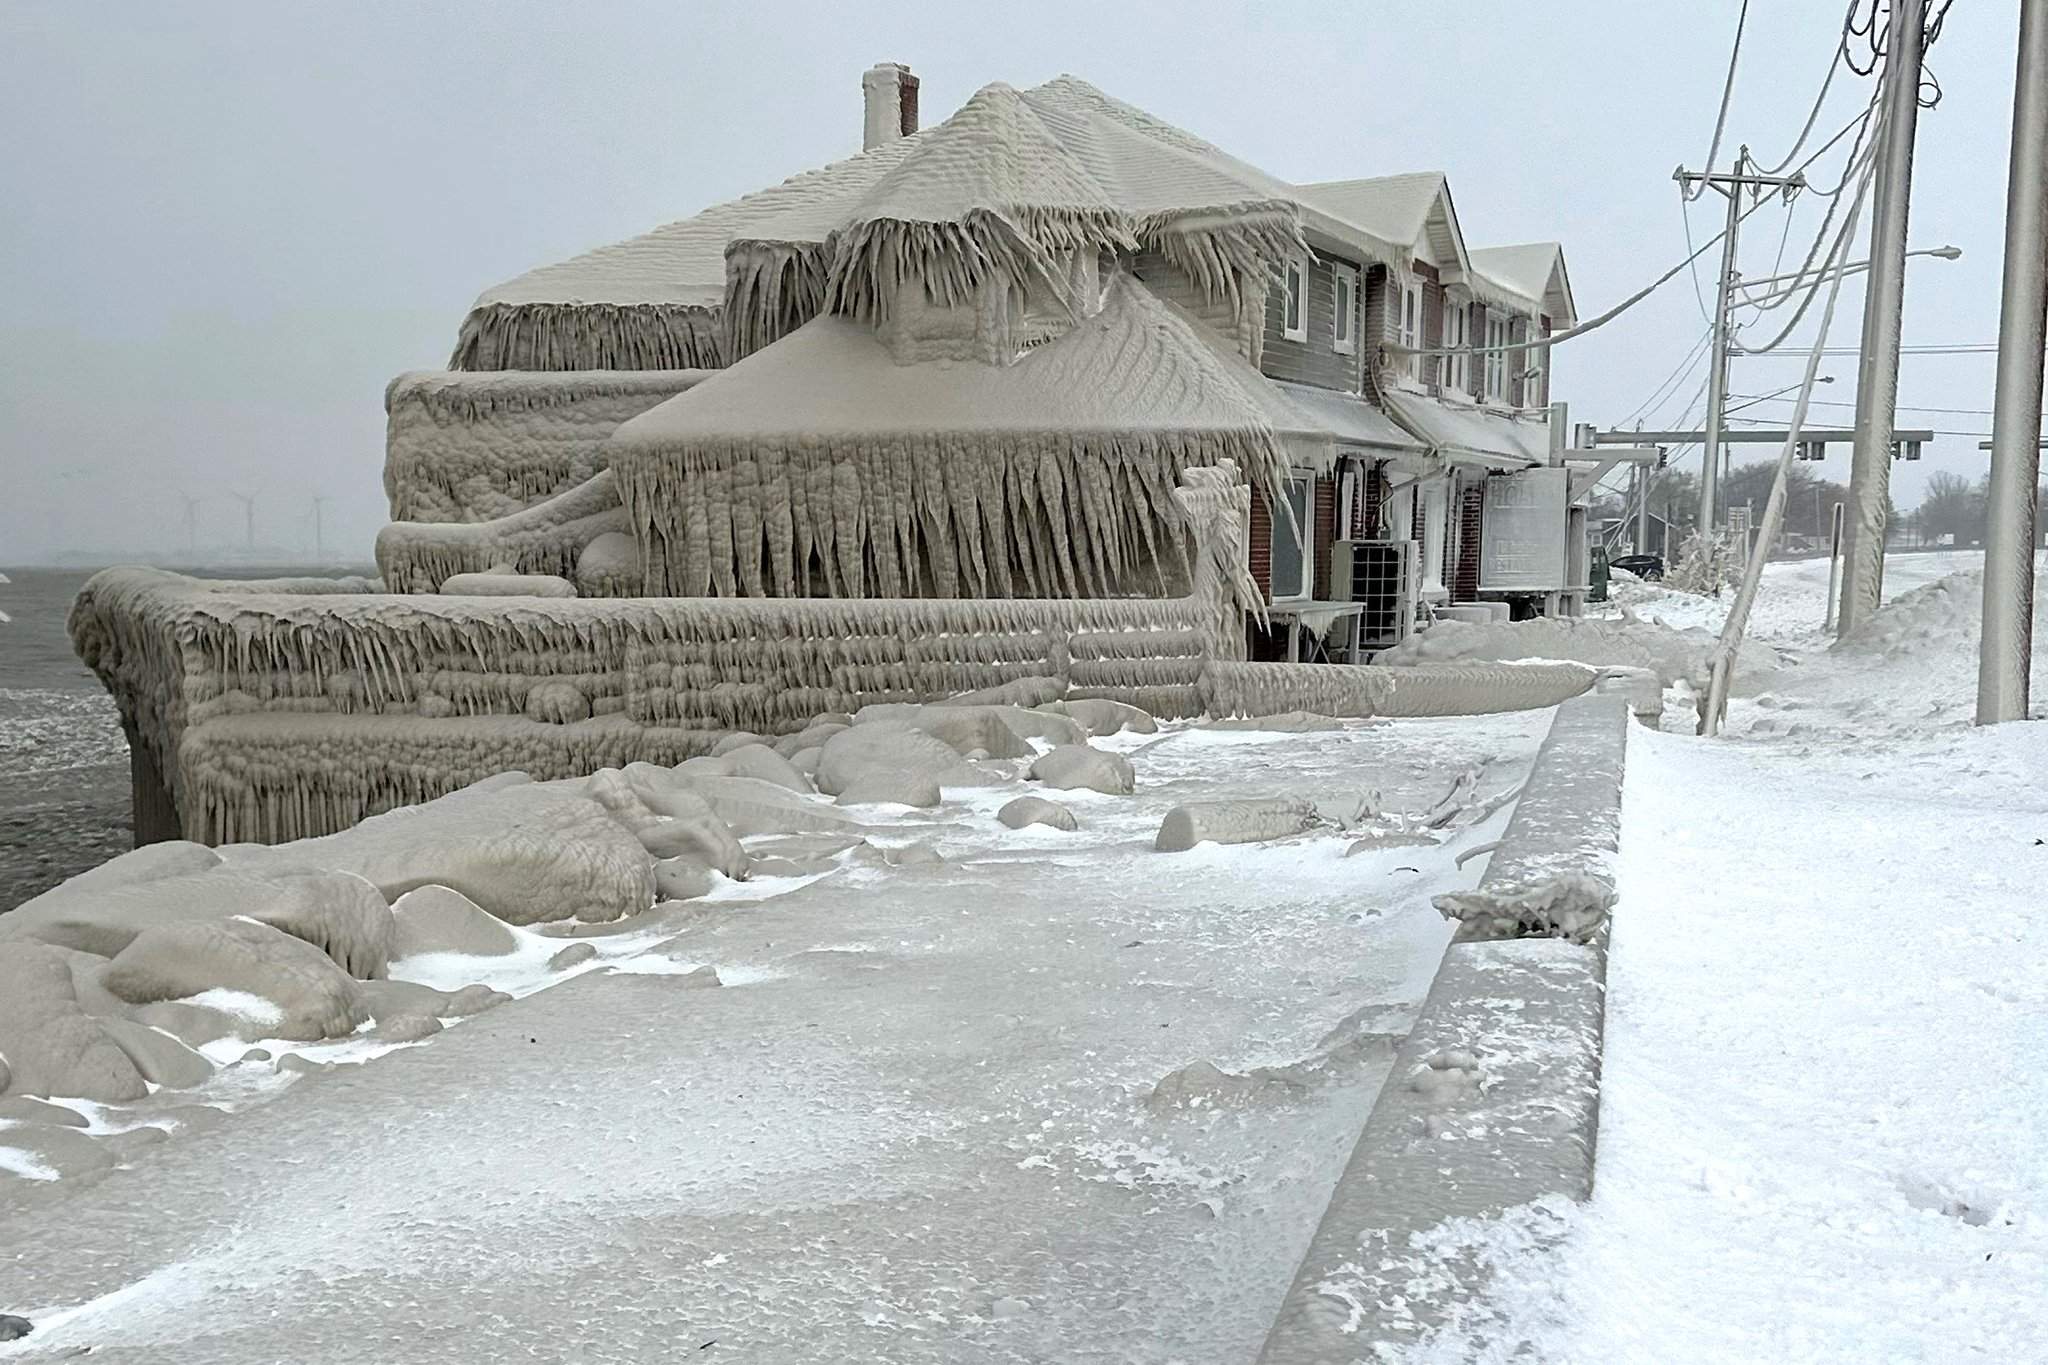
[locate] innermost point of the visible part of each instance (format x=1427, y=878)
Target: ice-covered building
x=1049, y=394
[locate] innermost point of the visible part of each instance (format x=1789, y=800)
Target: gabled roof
x=1534, y=271
x=1006, y=185
x=1397, y=209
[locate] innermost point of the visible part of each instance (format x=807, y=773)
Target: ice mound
x=1669, y=652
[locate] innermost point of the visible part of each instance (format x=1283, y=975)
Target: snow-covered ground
x=1057, y=1098
x=1824, y=1131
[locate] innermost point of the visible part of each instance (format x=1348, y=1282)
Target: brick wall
x=1325, y=535
x=1464, y=580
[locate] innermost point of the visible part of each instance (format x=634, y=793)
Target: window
x=1346, y=338
x=1532, y=377
x=1293, y=552
x=1411, y=326
x=1294, y=300
x=1496, y=358
x=1451, y=369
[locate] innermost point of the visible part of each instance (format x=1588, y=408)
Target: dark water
x=63, y=761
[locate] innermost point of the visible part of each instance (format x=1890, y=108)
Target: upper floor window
x=1496, y=358
x=1410, y=339
x=1453, y=374
x=1532, y=377
x=1346, y=336
x=1294, y=299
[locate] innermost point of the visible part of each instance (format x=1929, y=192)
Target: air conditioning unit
x=1383, y=577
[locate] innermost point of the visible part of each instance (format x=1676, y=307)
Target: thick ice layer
x=922, y=1121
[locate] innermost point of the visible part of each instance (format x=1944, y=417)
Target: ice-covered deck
x=923, y=1120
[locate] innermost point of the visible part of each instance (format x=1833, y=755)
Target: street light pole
x=1877, y=384
x=2007, y=645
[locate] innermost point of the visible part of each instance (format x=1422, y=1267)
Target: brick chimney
x=889, y=93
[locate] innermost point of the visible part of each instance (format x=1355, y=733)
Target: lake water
x=63, y=761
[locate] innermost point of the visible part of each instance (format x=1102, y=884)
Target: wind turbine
x=248, y=501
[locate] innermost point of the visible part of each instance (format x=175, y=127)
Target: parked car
x=1647, y=567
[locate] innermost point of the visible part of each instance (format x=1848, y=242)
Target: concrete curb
x=1494, y=1098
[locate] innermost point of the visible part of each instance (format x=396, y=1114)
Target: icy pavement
x=922, y=1121
x=1824, y=1128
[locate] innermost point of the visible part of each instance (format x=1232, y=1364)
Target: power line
x=1727, y=93
x=1969, y=348
x=1902, y=407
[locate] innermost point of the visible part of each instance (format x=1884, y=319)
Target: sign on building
x=1523, y=541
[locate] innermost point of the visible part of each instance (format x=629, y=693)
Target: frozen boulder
x=763, y=764
x=406, y=1028
x=507, y=585
x=438, y=919
x=890, y=787
x=609, y=566
x=195, y=1025
x=1102, y=716
x=1036, y=810
x=314, y=998
x=338, y=912
x=965, y=729
x=556, y=703
x=889, y=747
x=526, y=854
x=1076, y=765
x=812, y=736
x=162, y=1059
x=28, y=1109
x=738, y=739
x=681, y=878
x=1017, y=692
x=52, y=1046
x=150, y=863
x=750, y=806
x=391, y=999
x=1234, y=822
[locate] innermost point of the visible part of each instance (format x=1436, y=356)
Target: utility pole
x=1877, y=382
x=1643, y=481
x=1731, y=184
x=2007, y=645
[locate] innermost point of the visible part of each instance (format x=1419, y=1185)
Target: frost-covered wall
x=280, y=709
x=470, y=447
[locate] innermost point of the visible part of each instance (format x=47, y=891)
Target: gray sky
x=225, y=226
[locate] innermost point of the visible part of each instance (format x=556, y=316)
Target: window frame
x=1532, y=369
x=1453, y=372
x=1298, y=266
x=1303, y=528
x=1496, y=357
x=1408, y=325
x=1344, y=295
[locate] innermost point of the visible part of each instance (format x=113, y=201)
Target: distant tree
x=1951, y=506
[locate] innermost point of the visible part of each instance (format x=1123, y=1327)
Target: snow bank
x=1672, y=653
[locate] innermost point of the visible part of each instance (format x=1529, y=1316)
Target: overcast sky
x=223, y=227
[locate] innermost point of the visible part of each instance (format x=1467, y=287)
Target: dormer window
x=1410, y=339
x=1346, y=337
x=1294, y=299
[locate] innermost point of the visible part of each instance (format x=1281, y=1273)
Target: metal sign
x=1523, y=549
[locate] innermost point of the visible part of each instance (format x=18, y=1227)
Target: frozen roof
x=1533, y=270
x=1137, y=365
x=1466, y=435
x=1397, y=209
x=1056, y=167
